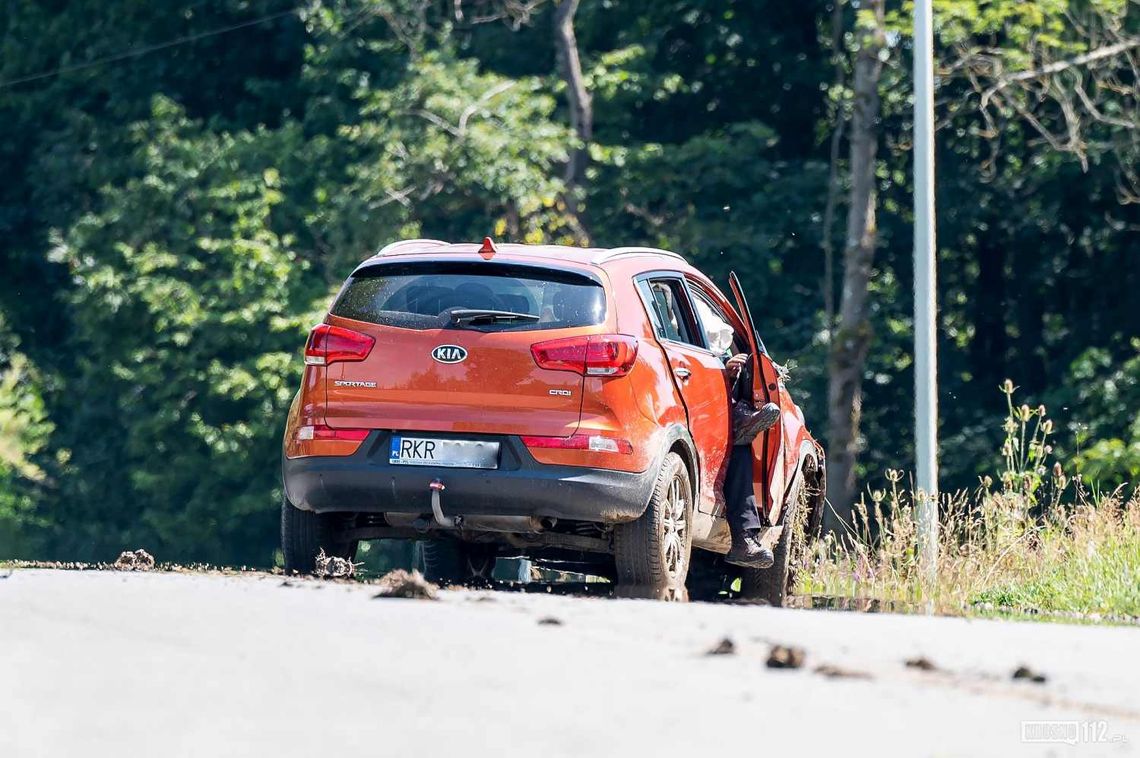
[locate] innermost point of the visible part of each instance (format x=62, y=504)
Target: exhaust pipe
x=506, y=524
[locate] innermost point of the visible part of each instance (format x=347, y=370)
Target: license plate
x=432, y=451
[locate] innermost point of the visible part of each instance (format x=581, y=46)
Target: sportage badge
x=449, y=354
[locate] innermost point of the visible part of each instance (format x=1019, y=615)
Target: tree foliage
x=188, y=182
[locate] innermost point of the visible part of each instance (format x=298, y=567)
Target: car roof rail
x=395, y=247
x=621, y=252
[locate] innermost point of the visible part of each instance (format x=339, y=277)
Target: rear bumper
x=366, y=482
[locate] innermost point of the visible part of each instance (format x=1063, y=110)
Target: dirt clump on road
x=1027, y=674
x=786, y=657
x=134, y=560
x=921, y=663
x=332, y=567
x=725, y=647
x=831, y=671
x=405, y=584
x=549, y=621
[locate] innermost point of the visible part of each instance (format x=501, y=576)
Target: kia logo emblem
x=449, y=354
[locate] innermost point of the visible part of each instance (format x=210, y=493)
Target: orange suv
x=554, y=403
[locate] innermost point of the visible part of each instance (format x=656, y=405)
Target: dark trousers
x=739, y=498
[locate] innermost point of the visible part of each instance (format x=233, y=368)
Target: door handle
x=682, y=373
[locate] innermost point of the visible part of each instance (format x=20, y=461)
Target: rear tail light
x=593, y=442
x=322, y=432
x=593, y=355
x=329, y=344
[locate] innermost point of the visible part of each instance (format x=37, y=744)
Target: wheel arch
x=811, y=471
x=679, y=441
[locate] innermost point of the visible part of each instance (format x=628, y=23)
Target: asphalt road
x=169, y=665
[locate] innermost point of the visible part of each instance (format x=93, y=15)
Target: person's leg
x=741, y=512
x=740, y=501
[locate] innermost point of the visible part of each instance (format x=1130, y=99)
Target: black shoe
x=747, y=551
x=759, y=421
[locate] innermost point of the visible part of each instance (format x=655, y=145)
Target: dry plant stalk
x=1036, y=539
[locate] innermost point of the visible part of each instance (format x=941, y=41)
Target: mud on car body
x=555, y=403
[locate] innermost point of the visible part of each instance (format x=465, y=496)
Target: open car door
x=768, y=449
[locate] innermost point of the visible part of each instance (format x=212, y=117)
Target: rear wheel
x=450, y=561
x=652, y=554
x=304, y=534
x=773, y=584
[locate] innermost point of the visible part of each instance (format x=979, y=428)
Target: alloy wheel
x=674, y=527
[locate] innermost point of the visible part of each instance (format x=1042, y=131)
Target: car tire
x=451, y=561
x=305, y=533
x=773, y=584
x=652, y=554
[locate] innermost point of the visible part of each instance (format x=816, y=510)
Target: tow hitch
x=472, y=524
x=446, y=522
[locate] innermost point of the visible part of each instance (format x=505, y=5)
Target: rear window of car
x=428, y=295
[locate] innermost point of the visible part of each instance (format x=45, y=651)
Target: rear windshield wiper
x=475, y=315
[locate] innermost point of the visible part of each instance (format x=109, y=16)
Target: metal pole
x=925, y=305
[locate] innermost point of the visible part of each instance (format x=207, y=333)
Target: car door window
x=720, y=336
x=670, y=310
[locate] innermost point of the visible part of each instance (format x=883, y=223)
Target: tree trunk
x=833, y=172
x=581, y=113
x=853, y=332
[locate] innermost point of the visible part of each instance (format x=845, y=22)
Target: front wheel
x=652, y=553
x=305, y=534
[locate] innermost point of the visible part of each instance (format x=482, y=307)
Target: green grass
x=1036, y=542
x=1082, y=559
x=1095, y=570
